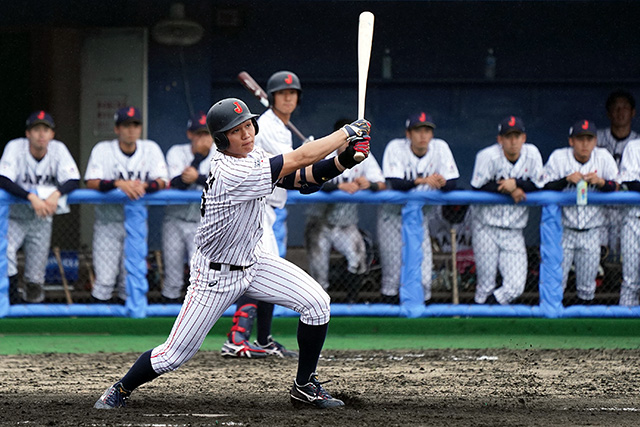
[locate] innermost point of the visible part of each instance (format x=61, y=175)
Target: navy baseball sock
x=310, y=342
x=141, y=372
x=265, y=316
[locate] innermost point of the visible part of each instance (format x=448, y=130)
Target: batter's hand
x=358, y=128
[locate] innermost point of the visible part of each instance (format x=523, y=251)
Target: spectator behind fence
x=136, y=167
x=41, y=170
x=335, y=225
x=417, y=162
x=514, y=168
x=188, y=169
x=629, y=178
x=621, y=108
x=568, y=169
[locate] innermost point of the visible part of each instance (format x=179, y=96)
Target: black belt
x=218, y=267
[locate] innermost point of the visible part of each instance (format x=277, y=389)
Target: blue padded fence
x=411, y=297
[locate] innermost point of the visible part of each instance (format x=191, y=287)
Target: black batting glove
x=357, y=144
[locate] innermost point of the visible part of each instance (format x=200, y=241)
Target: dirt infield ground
x=432, y=387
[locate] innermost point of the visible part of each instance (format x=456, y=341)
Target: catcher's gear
x=283, y=80
x=227, y=114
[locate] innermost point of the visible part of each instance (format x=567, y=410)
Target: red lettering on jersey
x=512, y=121
x=41, y=115
x=585, y=125
x=203, y=119
x=131, y=112
x=289, y=79
x=238, y=108
x=422, y=117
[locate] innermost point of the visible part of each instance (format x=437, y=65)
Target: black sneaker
x=115, y=396
x=313, y=394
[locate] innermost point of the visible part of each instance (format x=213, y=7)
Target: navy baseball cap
x=127, y=114
x=420, y=119
x=583, y=127
x=40, y=117
x=511, y=124
x=198, y=123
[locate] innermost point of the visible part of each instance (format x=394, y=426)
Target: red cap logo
x=585, y=125
x=289, y=79
x=512, y=121
x=41, y=115
x=423, y=117
x=131, y=112
x=203, y=119
x=238, y=108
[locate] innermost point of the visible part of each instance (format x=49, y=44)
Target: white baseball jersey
x=630, y=170
x=400, y=162
x=561, y=164
x=274, y=137
x=492, y=165
x=233, y=208
x=612, y=144
x=17, y=164
x=178, y=158
x=108, y=162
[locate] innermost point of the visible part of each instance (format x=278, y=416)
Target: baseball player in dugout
x=188, y=169
x=134, y=166
x=230, y=259
x=335, y=225
x=284, y=92
x=512, y=167
x=582, y=164
x=40, y=169
x=417, y=162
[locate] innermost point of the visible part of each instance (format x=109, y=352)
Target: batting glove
x=358, y=128
x=357, y=144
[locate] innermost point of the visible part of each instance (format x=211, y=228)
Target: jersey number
x=207, y=185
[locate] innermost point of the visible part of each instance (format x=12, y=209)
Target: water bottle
x=490, y=65
x=386, y=65
x=581, y=193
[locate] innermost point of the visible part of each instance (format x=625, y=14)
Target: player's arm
x=39, y=206
x=557, y=185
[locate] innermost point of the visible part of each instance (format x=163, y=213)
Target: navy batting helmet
x=225, y=115
x=283, y=80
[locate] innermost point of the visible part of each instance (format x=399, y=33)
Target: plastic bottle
x=581, y=193
x=387, y=73
x=490, y=65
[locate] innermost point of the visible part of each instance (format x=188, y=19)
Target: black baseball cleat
x=313, y=394
x=115, y=396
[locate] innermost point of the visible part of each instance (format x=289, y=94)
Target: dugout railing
x=411, y=294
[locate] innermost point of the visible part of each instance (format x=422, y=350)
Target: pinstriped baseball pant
x=271, y=279
x=630, y=249
x=581, y=248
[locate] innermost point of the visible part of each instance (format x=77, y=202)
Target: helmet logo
x=585, y=125
x=203, y=119
x=512, y=121
x=238, y=108
x=289, y=79
x=131, y=112
x=41, y=115
x=422, y=117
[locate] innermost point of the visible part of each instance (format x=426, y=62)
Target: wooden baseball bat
x=365, y=39
x=454, y=267
x=252, y=86
x=65, y=284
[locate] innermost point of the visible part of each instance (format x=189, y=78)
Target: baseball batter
x=188, y=168
x=509, y=167
x=336, y=225
x=582, y=160
x=630, y=235
x=229, y=260
x=418, y=162
x=40, y=169
x=284, y=91
x=136, y=167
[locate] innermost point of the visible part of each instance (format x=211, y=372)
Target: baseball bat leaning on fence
x=454, y=266
x=63, y=276
x=252, y=86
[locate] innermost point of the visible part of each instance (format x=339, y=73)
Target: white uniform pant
x=271, y=279
x=581, y=248
x=630, y=247
x=390, y=244
x=34, y=236
x=499, y=248
x=269, y=241
x=108, y=260
x=177, y=242
x=347, y=240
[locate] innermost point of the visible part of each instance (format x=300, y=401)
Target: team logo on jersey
x=289, y=79
x=238, y=108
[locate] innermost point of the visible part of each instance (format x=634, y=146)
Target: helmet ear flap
x=221, y=141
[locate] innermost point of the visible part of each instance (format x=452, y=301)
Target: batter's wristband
x=152, y=186
x=106, y=185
